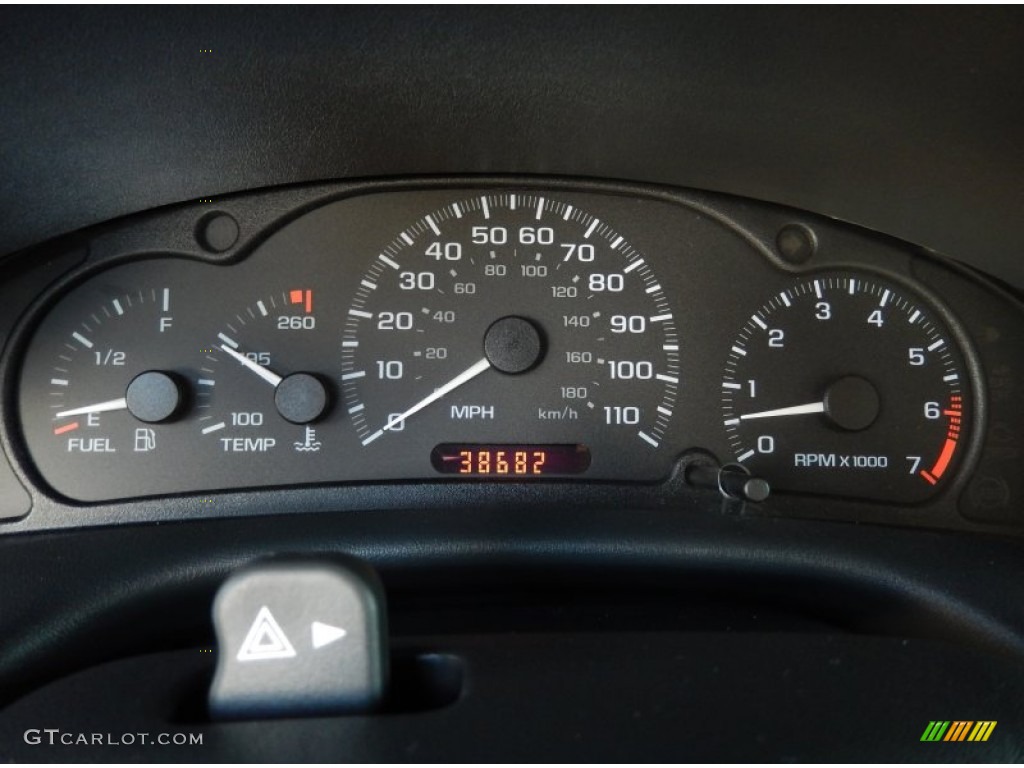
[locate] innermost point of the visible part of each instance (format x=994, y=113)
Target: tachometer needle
x=264, y=373
x=470, y=373
x=119, y=404
x=793, y=410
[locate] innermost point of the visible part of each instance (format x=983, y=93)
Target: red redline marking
x=944, y=458
x=66, y=428
x=952, y=412
x=928, y=477
x=299, y=296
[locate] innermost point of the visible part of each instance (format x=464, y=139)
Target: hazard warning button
x=299, y=638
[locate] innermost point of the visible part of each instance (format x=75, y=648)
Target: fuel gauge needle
x=119, y=404
x=264, y=373
x=793, y=410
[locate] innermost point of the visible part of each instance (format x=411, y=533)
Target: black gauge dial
x=108, y=390
x=847, y=385
x=512, y=318
x=258, y=397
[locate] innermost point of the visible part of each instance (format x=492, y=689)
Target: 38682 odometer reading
x=512, y=318
x=512, y=461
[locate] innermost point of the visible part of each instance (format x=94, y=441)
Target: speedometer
x=516, y=328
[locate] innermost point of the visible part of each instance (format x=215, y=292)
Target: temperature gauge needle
x=119, y=404
x=793, y=410
x=470, y=373
x=264, y=373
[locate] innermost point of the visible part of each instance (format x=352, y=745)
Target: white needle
x=470, y=373
x=109, y=405
x=264, y=373
x=793, y=410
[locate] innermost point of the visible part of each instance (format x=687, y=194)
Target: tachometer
x=512, y=320
x=846, y=385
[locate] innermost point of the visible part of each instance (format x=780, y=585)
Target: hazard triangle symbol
x=265, y=640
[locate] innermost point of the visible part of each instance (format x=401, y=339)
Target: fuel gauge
x=107, y=388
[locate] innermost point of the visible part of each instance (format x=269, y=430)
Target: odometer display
x=507, y=460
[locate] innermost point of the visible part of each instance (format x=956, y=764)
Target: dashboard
x=659, y=369
x=550, y=333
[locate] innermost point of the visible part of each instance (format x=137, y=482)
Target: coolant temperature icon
x=310, y=444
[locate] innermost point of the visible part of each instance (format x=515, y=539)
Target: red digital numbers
x=499, y=462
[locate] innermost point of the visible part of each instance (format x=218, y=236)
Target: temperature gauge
x=255, y=396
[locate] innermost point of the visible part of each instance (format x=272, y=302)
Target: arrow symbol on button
x=325, y=634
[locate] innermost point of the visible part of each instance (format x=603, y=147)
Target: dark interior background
x=903, y=120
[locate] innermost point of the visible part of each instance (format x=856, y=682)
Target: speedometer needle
x=793, y=410
x=264, y=373
x=470, y=373
x=119, y=404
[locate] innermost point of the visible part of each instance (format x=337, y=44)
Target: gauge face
x=255, y=400
x=512, y=319
x=845, y=385
x=111, y=393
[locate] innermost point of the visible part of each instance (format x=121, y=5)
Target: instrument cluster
x=507, y=333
